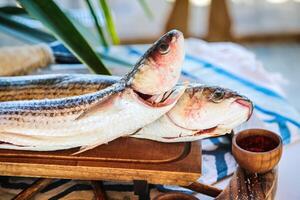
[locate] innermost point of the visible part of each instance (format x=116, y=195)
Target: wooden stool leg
x=98, y=190
x=141, y=188
x=219, y=26
x=204, y=189
x=178, y=18
x=33, y=189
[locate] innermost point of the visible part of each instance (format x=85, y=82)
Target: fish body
x=202, y=111
x=106, y=114
x=196, y=115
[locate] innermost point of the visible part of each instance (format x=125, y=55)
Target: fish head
x=159, y=68
x=205, y=108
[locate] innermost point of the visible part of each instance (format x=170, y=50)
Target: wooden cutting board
x=125, y=159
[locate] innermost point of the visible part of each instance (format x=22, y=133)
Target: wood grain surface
x=125, y=159
x=249, y=186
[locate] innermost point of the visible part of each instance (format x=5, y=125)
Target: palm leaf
x=98, y=26
x=88, y=34
x=32, y=35
x=13, y=10
x=13, y=27
x=24, y=31
x=47, y=12
x=109, y=22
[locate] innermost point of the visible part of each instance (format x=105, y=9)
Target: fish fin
x=95, y=144
x=98, y=106
x=134, y=133
x=8, y=138
x=86, y=148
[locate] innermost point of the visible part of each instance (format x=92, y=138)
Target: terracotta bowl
x=257, y=150
x=175, y=196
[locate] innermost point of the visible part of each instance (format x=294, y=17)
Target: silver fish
x=195, y=116
x=103, y=115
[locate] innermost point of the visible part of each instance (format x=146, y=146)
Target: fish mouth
x=246, y=103
x=198, y=131
x=175, y=34
x=161, y=100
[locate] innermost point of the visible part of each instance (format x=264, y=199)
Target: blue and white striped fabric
x=232, y=66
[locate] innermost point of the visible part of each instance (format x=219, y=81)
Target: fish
x=195, y=116
x=202, y=111
x=148, y=91
x=51, y=143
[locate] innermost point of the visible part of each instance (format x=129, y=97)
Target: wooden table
x=125, y=159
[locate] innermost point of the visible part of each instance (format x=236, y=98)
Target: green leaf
x=88, y=34
x=47, y=12
x=33, y=35
x=109, y=22
x=146, y=8
x=20, y=30
x=98, y=26
x=13, y=10
x=24, y=31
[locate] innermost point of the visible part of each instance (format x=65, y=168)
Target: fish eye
x=218, y=96
x=163, y=48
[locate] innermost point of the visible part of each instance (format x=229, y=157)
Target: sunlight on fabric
x=201, y=3
x=277, y=1
x=245, y=2
x=269, y=1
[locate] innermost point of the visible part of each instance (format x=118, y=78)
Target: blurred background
x=269, y=28
x=246, y=20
